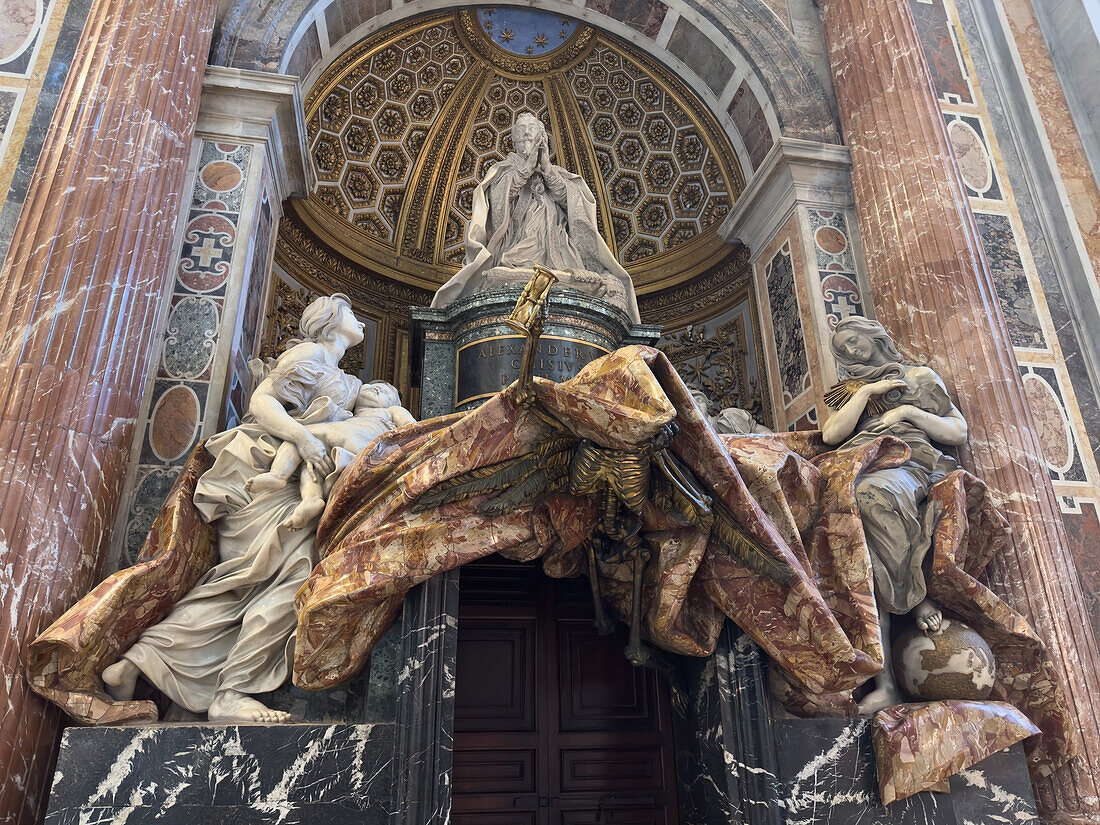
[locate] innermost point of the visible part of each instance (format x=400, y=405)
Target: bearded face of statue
x=528, y=132
x=526, y=141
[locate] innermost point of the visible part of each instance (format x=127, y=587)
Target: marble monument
x=614, y=473
x=528, y=212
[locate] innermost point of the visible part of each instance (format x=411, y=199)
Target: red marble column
x=933, y=292
x=79, y=297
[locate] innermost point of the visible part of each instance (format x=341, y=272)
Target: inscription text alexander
x=486, y=367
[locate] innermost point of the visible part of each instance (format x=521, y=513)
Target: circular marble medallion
x=221, y=176
x=830, y=239
x=1050, y=423
x=20, y=23
x=174, y=421
x=970, y=152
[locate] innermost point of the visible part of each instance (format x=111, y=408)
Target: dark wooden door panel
x=495, y=818
x=495, y=772
x=611, y=814
x=553, y=726
x=515, y=586
x=495, y=687
x=597, y=691
x=608, y=771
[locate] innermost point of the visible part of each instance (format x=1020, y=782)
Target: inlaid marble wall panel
x=971, y=147
x=1062, y=400
x=21, y=33
x=941, y=49
x=9, y=104
x=789, y=304
x=1010, y=277
x=37, y=39
x=790, y=340
x=179, y=406
x=644, y=16
x=1082, y=519
x=835, y=258
x=1046, y=397
x=751, y=122
x=808, y=421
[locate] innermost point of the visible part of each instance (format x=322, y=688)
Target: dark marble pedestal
x=827, y=775
x=224, y=775
x=464, y=352
x=746, y=762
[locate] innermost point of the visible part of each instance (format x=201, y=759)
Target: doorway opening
x=553, y=726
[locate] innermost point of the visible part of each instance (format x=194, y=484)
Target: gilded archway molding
x=766, y=62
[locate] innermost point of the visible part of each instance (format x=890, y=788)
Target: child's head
x=377, y=394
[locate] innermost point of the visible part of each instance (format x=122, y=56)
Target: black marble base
x=780, y=770
x=229, y=775
x=827, y=775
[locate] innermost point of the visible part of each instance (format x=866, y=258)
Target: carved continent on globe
x=953, y=663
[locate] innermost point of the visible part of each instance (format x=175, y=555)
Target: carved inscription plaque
x=486, y=367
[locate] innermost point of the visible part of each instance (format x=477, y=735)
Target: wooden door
x=553, y=726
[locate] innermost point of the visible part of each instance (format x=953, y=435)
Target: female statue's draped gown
x=234, y=630
x=895, y=522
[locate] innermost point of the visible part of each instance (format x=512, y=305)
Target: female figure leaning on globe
x=879, y=394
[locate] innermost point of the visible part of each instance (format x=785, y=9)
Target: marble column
x=79, y=296
x=932, y=290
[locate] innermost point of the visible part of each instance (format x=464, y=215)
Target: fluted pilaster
x=79, y=296
x=933, y=292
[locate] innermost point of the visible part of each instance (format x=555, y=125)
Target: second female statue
x=879, y=394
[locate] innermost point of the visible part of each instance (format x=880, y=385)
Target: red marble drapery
x=932, y=289
x=79, y=297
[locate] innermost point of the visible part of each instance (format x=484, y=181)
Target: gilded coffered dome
x=403, y=125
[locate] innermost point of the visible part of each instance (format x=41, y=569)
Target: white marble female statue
x=232, y=635
x=529, y=212
x=881, y=395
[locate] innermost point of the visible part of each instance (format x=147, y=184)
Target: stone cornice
x=793, y=172
x=260, y=107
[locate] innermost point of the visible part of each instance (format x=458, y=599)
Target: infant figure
x=377, y=410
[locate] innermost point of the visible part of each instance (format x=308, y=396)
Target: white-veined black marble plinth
x=781, y=770
x=827, y=774
x=224, y=775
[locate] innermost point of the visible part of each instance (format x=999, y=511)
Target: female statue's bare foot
x=231, y=706
x=304, y=513
x=120, y=679
x=928, y=616
x=264, y=481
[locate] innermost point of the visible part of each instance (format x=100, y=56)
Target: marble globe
x=953, y=663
